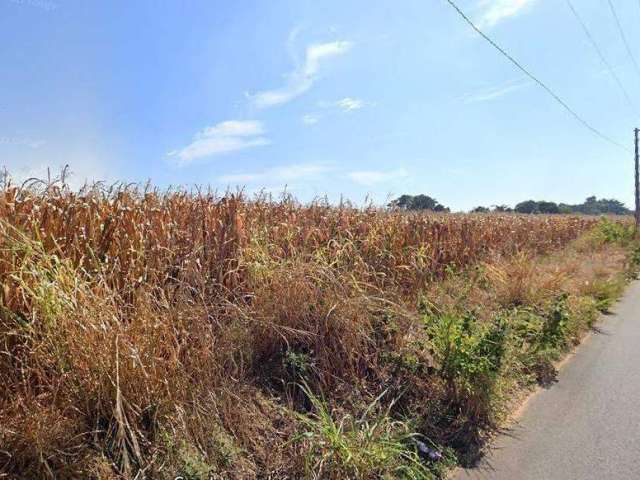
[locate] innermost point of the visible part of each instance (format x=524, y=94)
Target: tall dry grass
x=148, y=334
x=134, y=236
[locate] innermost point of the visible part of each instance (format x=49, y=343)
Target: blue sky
x=358, y=99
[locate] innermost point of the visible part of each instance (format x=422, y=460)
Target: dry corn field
x=152, y=335
x=157, y=239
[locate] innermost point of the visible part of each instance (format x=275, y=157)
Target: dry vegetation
x=151, y=335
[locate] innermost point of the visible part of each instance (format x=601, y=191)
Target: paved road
x=586, y=426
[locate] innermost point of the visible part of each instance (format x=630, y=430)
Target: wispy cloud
x=374, y=177
x=344, y=105
x=304, y=76
x=496, y=92
x=310, y=119
x=349, y=104
x=279, y=174
x=224, y=137
x=493, y=12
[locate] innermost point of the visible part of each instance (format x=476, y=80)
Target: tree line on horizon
x=591, y=206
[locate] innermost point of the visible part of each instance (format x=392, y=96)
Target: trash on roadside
x=427, y=452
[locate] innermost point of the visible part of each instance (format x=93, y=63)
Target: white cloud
x=344, y=105
x=374, y=177
x=349, y=104
x=233, y=128
x=496, y=92
x=304, y=76
x=291, y=42
x=310, y=119
x=225, y=137
x=495, y=11
x=284, y=173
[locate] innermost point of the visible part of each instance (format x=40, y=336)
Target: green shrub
x=468, y=351
x=555, y=323
x=615, y=232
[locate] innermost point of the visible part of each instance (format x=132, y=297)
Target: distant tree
x=529, y=206
x=613, y=206
x=564, y=208
x=403, y=201
x=591, y=206
x=418, y=202
x=548, y=207
x=502, y=208
x=480, y=210
x=494, y=209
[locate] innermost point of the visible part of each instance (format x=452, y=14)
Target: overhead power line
x=536, y=80
x=623, y=37
x=603, y=59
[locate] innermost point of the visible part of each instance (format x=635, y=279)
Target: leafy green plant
x=555, y=323
x=615, y=232
x=370, y=446
x=634, y=256
x=467, y=349
x=194, y=466
x=297, y=364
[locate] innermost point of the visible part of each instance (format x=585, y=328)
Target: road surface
x=587, y=425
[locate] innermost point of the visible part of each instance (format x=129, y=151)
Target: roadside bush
x=610, y=231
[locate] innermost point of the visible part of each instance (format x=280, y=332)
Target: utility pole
x=636, y=131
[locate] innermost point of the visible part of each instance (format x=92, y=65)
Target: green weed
x=610, y=231
x=371, y=446
x=467, y=349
